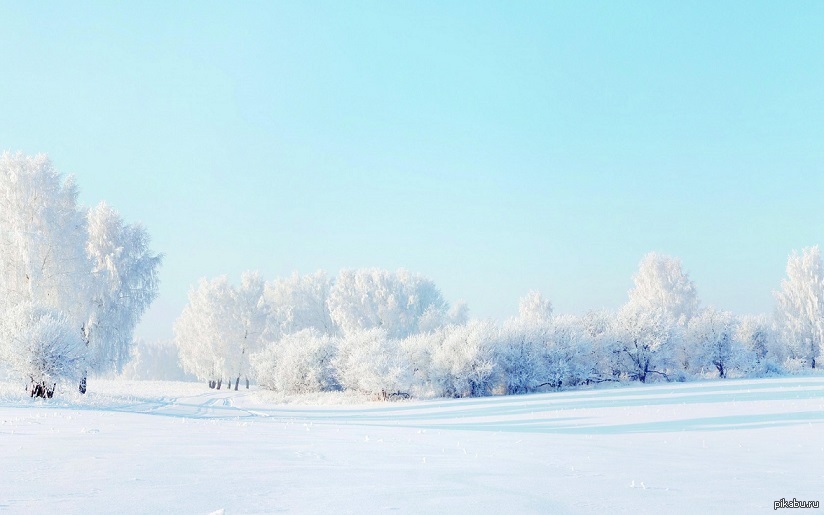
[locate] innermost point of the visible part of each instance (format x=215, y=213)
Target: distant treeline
x=391, y=334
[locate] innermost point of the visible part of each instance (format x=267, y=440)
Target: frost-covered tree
x=458, y=314
x=800, y=305
x=370, y=362
x=464, y=364
x=298, y=302
x=396, y=302
x=249, y=320
x=661, y=283
x=647, y=329
x=537, y=350
x=124, y=284
x=521, y=357
x=420, y=349
x=711, y=333
x=569, y=358
x=199, y=330
x=534, y=309
x=646, y=339
x=42, y=345
x=220, y=328
x=43, y=258
x=763, y=345
x=86, y=268
x=607, y=349
x=299, y=363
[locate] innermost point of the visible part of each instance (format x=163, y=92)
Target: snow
x=147, y=447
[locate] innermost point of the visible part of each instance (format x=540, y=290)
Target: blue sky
x=495, y=147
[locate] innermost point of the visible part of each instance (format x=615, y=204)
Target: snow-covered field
x=149, y=447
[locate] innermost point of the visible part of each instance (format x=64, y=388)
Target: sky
x=494, y=147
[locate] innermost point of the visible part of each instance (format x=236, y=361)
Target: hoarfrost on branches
x=77, y=272
x=391, y=333
x=299, y=363
x=713, y=335
x=534, y=309
x=42, y=345
x=396, y=302
x=661, y=283
x=298, y=302
x=370, y=362
x=221, y=327
x=800, y=305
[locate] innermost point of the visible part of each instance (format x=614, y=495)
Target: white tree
x=661, y=283
x=464, y=364
x=200, y=330
x=760, y=338
x=557, y=353
x=300, y=362
x=521, y=357
x=800, y=305
x=124, y=285
x=646, y=339
x=370, y=362
x=648, y=328
x=607, y=348
x=458, y=314
x=534, y=309
x=420, y=349
x=248, y=320
x=220, y=328
x=711, y=334
x=41, y=345
x=569, y=354
x=298, y=302
x=85, y=268
x=42, y=239
x=523, y=349
x=395, y=302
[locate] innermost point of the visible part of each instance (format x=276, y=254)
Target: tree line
x=391, y=334
x=74, y=282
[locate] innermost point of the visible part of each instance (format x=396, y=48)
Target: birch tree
x=67, y=267
x=800, y=305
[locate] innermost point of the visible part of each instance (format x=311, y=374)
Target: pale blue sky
x=495, y=147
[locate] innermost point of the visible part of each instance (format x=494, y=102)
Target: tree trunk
x=83, y=385
x=219, y=382
x=247, y=383
x=237, y=382
x=211, y=384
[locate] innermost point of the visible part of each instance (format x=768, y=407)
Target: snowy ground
x=146, y=447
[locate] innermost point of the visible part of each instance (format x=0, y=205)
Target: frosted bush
x=464, y=364
x=521, y=357
x=41, y=345
x=371, y=362
x=298, y=363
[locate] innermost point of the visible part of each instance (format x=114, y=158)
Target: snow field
x=162, y=447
